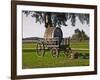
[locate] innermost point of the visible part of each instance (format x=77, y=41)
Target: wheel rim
x=54, y=52
x=40, y=49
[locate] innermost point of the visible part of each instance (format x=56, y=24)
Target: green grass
x=29, y=45
x=31, y=60
x=79, y=44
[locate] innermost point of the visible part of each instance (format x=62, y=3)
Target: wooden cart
x=54, y=46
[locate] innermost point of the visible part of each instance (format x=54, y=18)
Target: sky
x=32, y=29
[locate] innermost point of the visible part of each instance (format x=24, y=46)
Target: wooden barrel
x=52, y=32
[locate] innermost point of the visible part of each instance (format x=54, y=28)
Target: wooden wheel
x=40, y=49
x=68, y=51
x=55, y=52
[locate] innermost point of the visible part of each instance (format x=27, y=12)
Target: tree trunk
x=48, y=21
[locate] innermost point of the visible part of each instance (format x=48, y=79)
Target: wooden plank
x=53, y=46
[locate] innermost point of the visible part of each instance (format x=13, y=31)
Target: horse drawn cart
x=53, y=41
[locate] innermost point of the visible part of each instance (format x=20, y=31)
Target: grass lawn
x=31, y=60
x=80, y=44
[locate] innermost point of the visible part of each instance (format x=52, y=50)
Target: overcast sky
x=32, y=29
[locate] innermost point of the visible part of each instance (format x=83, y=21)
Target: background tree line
x=79, y=35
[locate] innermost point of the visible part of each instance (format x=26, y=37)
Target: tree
x=77, y=35
x=53, y=19
x=80, y=35
x=84, y=36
